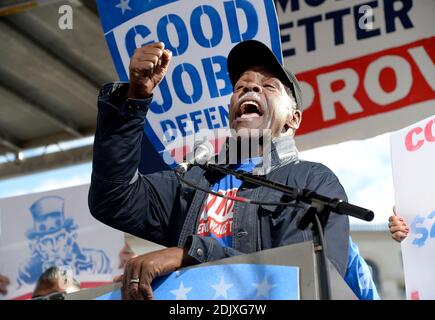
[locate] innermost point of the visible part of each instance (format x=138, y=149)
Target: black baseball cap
x=254, y=53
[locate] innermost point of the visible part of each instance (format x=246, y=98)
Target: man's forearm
x=117, y=146
x=114, y=198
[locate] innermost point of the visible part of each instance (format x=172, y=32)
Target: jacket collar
x=281, y=152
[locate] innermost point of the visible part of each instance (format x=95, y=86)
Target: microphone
x=337, y=205
x=354, y=211
x=201, y=153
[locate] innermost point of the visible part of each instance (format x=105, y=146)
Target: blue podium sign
x=226, y=282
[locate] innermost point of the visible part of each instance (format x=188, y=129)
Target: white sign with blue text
x=193, y=98
x=412, y=157
x=55, y=228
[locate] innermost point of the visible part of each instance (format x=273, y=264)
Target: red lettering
x=369, y=85
x=429, y=131
x=210, y=204
x=429, y=135
x=226, y=204
x=410, y=146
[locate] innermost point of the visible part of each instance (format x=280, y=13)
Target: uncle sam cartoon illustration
x=53, y=242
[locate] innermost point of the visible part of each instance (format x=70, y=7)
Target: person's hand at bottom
x=140, y=271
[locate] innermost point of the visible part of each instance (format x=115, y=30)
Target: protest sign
x=413, y=155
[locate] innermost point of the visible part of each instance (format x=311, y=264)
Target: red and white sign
x=365, y=67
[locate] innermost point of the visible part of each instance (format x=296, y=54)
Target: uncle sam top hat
x=48, y=216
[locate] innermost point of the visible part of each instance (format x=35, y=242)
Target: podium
x=300, y=255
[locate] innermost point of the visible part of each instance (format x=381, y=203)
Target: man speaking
x=196, y=226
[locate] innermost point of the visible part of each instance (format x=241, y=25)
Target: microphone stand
x=313, y=217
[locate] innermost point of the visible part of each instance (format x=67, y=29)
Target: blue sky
x=363, y=168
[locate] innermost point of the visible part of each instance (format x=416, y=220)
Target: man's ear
x=294, y=119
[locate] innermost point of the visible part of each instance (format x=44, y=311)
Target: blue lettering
x=401, y=14
x=196, y=121
x=213, y=77
x=166, y=96
x=211, y=118
x=310, y=31
x=179, y=85
x=182, y=124
x=187, y=124
x=360, y=32
x=210, y=76
x=207, y=118
x=233, y=25
x=337, y=17
x=224, y=115
x=432, y=230
x=169, y=130
x=419, y=230
x=132, y=34
x=181, y=32
x=215, y=24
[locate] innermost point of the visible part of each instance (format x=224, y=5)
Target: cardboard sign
x=413, y=159
x=55, y=228
x=193, y=98
x=365, y=67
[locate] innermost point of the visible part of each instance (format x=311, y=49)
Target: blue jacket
x=158, y=208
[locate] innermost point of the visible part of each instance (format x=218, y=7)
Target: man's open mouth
x=249, y=109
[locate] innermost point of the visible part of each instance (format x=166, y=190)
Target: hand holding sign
x=398, y=228
x=148, y=67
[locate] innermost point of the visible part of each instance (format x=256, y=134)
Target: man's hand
x=4, y=282
x=398, y=228
x=148, y=66
x=140, y=271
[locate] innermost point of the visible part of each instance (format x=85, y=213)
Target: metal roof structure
x=49, y=82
